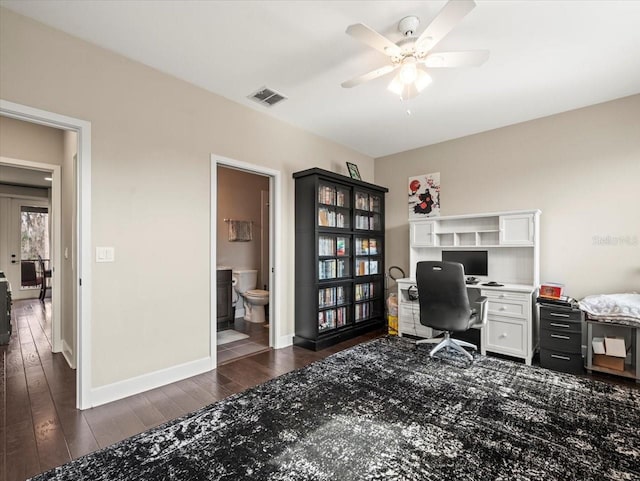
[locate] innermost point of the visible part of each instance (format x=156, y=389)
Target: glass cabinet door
x=332, y=307
x=334, y=253
x=368, y=211
x=334, y=204
x=367, y=297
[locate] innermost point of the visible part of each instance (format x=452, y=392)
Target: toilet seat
x=256, y=293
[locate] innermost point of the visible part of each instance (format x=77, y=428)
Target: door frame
x=83, y=233
x=275, y=247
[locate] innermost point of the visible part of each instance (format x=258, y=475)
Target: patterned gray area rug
x=386, y=411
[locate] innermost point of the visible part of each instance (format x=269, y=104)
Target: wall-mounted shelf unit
x=339, y=258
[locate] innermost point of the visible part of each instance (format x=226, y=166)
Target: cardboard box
x=614, y=346
x=598, y=345
x=610, y=362
x=551, y=290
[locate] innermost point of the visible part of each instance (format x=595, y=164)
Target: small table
x=630, y=370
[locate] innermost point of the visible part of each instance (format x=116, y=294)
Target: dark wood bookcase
x=339, y=284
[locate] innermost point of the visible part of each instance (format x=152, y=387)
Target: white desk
x=511, y=327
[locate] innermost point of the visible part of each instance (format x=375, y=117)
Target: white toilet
x=244, y=282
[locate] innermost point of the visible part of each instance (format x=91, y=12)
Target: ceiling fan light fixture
x=406, y=91
x=408, y=71
x=396, y=86
x=423, y=79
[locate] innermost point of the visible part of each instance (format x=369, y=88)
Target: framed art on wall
x=424, y=196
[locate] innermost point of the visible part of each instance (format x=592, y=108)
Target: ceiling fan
x=412, y=56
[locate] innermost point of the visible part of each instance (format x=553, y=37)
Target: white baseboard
x=284, y=341
x=67, y=352
x=145, y=382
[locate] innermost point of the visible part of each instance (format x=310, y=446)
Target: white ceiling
x=546, y=57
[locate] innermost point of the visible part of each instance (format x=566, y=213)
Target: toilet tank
x=244, y=279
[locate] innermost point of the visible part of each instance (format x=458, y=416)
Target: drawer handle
x=555, y=324
x=504, y=334
x=558, y=336
x=564, y=358
x=555, y=314
x=502, y=308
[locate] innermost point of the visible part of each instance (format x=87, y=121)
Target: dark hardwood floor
x=41, y=428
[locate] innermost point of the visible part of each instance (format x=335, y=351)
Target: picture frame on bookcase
x=353, y=171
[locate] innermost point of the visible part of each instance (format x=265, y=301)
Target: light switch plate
x=105, y=254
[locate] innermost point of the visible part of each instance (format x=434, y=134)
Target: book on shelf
x=341, y=249
x=373, y=247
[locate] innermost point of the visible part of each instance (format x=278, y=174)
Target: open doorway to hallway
x=243, y=263
x=77, y=135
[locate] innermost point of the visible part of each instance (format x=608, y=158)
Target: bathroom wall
x=239, y=199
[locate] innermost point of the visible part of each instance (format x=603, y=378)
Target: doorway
x=25, y=222
x=256, y=249
x=79, y=244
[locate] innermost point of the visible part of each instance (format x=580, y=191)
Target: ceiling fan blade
x=450, y=15
x=372, y=38
x=469, y=58
x=379, y=72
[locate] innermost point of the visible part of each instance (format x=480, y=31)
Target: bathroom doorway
x=243, y=232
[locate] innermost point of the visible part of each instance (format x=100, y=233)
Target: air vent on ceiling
x=267, y=97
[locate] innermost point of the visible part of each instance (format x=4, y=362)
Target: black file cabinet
x=561, y=338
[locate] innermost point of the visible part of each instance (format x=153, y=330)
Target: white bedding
x=617, y=308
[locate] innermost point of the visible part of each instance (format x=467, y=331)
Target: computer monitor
x=474, y=262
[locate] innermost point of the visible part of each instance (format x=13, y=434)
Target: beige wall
x=581, y=168
x=27, y=141
x=239, y=199
x=152, y=136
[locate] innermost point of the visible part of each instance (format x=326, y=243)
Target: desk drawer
x=559, y=314
x=511, y=308
x=505, y=295
x=561, y=361
x=508, y=336
x=560, y=325
x=563, y=341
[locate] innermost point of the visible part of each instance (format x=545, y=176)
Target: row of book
x=330, y=246
x=365, y=291
x=366, y=267
x=364, y=222
x=331, y=296
x=366, y=247
x=367, y=202
x=331, y=268
x=331, y=218
x=363, y=311
x=329, y=196
x=332, y=318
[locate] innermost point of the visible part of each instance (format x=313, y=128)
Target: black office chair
x=44, y=274
x=444, y=305
x=29, y=277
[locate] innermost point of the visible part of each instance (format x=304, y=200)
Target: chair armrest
x=481, y=307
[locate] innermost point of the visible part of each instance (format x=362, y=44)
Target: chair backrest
x=28, y=271
x=442, y=295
